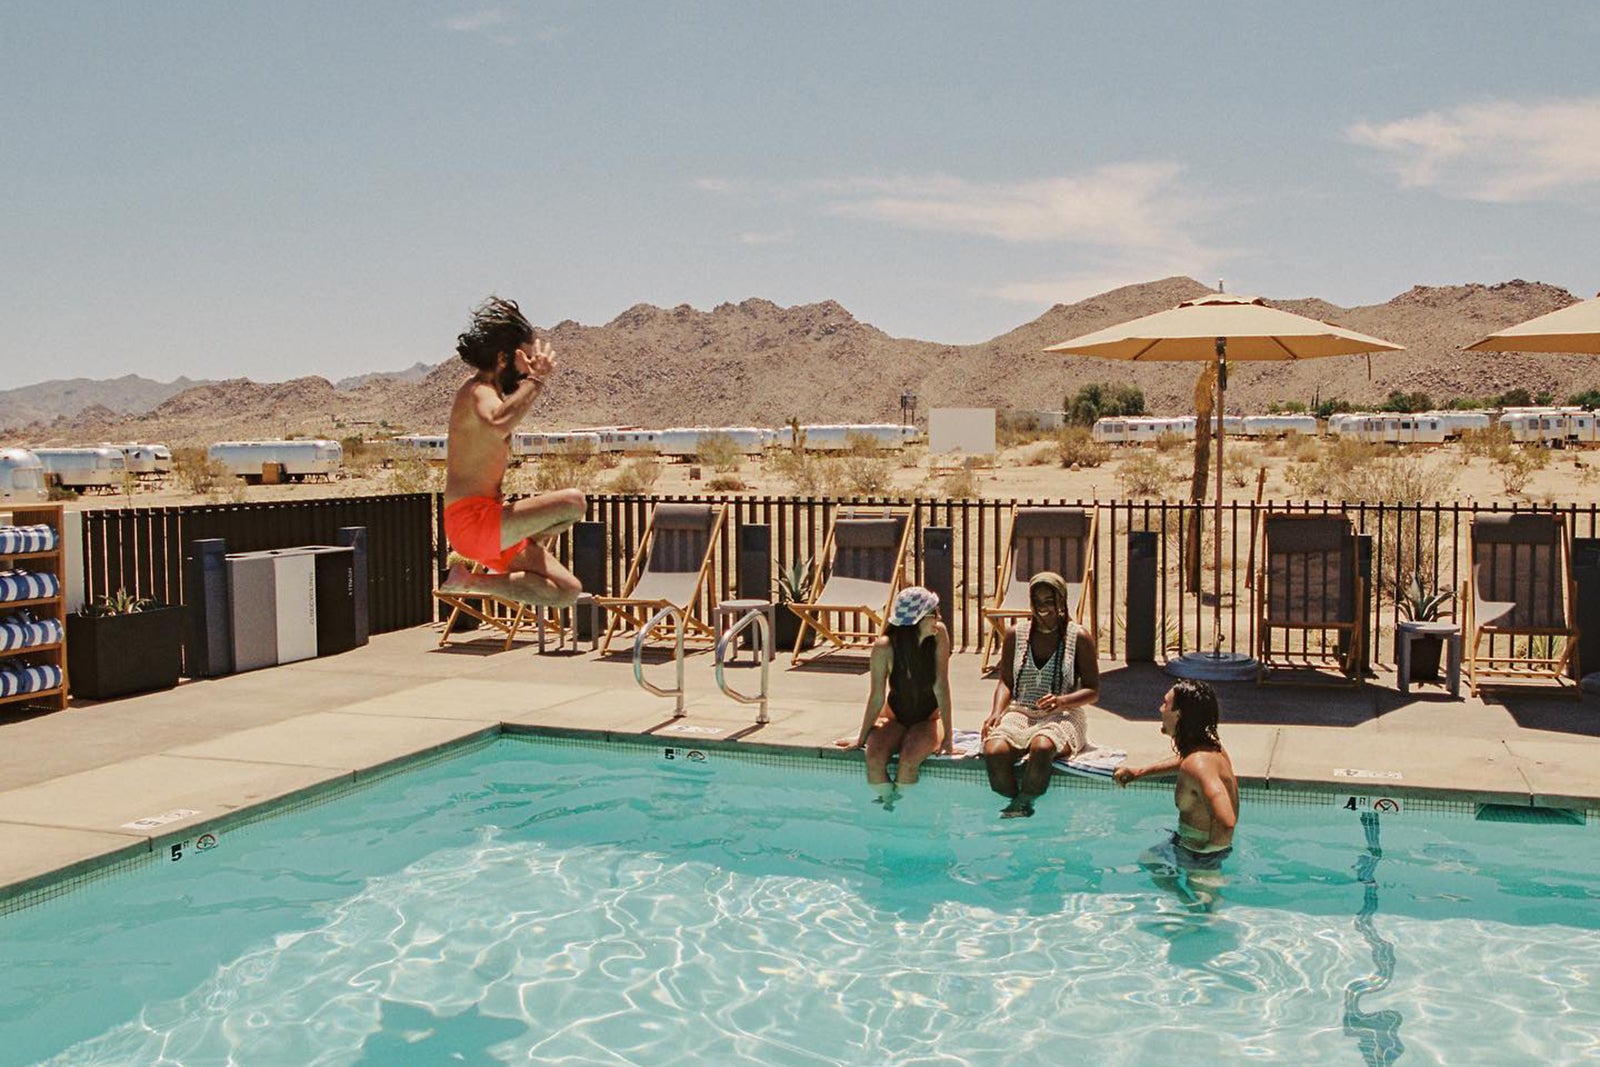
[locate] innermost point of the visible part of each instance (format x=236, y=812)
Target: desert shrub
x=1322, y=409
x=1304, y=449
x=865, y=475
x=1517, y=465
x=1076, y=447
x=1146, y=474
x=1589, y=398
x=357, y=451
x=197, y=472
x=1020, y=428
x=1170, y=442
x=727, y=483
x=637, y=476
x=1287, y=407
x=961, y=485
x=1240, y=466
x=1403, y=402
x=413, y=474
x=1339, y=467
x=1102, y=399
x=912, y=456
x=1489, y=443
x=719, y=452
x=1046, y=453
x=573, y=467
x=805, y=474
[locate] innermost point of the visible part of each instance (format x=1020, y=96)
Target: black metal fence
x=142, y=550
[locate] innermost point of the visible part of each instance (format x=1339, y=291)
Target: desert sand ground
x=1030, y=470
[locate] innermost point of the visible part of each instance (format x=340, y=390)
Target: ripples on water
x=533, y=905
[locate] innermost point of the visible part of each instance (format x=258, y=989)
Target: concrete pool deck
x=75, y=784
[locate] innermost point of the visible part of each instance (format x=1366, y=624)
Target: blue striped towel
x=26, y=585
x=21, y=630
x=28, y=678
x=40, y=538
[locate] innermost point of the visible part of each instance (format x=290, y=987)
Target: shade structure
x=1222, y=326
x=1575, y=328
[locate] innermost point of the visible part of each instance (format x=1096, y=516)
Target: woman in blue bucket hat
x=1048, y=672
x=911, y=673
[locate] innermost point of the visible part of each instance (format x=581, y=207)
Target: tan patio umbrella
x=1221, y=326
x=1575, y=328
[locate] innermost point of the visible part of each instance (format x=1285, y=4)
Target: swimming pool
x=534, y=900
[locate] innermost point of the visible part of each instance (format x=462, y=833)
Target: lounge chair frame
x=628, y=612
x=1303, y=557
x=1031, y=536
x=1505, y=556
x=509, y=617
x=838, y=622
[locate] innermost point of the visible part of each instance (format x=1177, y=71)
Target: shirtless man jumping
x=1207, y=795
x=511, y=367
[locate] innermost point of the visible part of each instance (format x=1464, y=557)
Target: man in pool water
x=510, y=366
x=1207, y=794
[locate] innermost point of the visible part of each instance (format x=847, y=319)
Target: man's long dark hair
x=1196, y=705
x=498, y=328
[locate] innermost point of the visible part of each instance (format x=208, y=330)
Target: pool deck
x=73, y=783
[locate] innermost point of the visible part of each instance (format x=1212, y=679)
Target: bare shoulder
x=1208, y=763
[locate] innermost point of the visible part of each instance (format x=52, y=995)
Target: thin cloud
x=774, y=237
x=717, y=185
x=479, y=21
x=1495, y=151
x=1131, y=205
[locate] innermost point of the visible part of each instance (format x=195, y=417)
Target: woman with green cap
x=1048, y=672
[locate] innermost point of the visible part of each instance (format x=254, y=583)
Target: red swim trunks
x=472, y=525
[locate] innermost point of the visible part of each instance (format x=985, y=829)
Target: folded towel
x=40, y=538
x=26, y=585
x=21, y=630
x=1093, y=762
x=28, y=678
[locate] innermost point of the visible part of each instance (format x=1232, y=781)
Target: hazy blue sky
x=220, y=189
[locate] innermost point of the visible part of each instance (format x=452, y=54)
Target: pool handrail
x=758, y=617
x=676, y=612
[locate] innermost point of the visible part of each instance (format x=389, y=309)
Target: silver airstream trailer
x=83, y=468
x=143, y=459
x=298, y=459
x=21, y=477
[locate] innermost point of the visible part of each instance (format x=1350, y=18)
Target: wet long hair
x=914, y=658
x=498, y=328
x=1196, y=705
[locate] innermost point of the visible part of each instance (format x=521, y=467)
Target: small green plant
x=794, y=581
x=720, y=452
x=1076, y=447
x=121, y=602
x=636, y=476
x=1419, y=605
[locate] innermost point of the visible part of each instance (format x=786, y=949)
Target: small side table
x=731, y=611
x=1407, y=632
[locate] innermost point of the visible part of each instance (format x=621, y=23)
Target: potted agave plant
x=793, y=584
x=1417, y=604
x=124, y=644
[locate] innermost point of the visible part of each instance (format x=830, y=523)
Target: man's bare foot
x=458, y=581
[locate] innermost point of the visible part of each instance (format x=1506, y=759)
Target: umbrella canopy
x=1220, y=326
x=1572, y=329
x=1253, y=331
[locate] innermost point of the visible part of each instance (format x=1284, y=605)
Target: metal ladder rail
x=758, y=617
x=678, y=710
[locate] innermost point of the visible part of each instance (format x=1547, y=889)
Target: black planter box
x=114, y=655
x=787, y=628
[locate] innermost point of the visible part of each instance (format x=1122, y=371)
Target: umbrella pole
x=1216, y=529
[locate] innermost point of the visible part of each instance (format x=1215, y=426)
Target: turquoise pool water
x=539, y=902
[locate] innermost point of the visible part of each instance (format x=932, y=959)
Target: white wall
x=969, y=431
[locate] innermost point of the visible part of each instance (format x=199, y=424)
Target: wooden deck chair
x=1519, y=587
x=1309, y=586
x=858, y=574
x=510, y=617
x=674, y=566
x=1043, y=539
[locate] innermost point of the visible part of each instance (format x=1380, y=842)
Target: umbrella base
x=1213, y=667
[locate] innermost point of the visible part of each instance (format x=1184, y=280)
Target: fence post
x=1364, y=568
x=589, y=567
x=208, y=653
x=1139, y=630
x=1586, y=576
x=939, y=568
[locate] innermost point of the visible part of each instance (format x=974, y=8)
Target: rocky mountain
x=414, y=373
x=44, y=402
x=756, y=363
